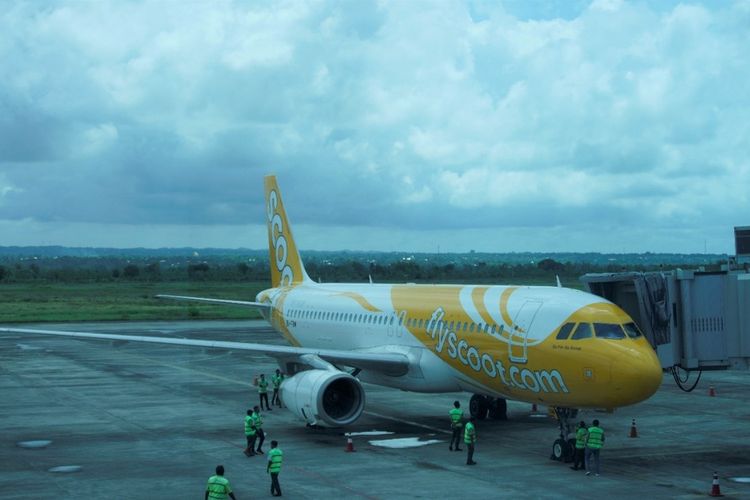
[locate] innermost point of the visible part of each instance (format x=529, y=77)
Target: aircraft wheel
x=560, y=450
x=478, y=407
x=499, y=409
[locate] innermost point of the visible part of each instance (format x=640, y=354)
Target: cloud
x=413, y=115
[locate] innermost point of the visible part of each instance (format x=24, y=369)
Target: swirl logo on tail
x=286, y=264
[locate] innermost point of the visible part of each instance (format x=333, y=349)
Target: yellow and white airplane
x=549, y=345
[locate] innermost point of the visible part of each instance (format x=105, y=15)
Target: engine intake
x=324, y=397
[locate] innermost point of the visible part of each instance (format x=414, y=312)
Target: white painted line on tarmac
x=409, y=422
x=412, y=442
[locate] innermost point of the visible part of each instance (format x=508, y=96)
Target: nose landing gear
x=562, y=448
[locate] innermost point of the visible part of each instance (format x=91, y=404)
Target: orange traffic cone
x=349, y=444
x=633, y=430
x=715, y=490
x=711, y=391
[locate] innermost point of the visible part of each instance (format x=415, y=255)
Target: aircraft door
x=518, y=339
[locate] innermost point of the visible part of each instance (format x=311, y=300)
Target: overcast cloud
x=514, y=126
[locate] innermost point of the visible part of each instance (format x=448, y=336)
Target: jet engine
x=324, y=397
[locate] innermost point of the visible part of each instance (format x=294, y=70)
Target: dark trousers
x=262, y=436
x=264, y=397
x=456, y=438
x=275, y=488
x=275, y=398
x=469, y=453
x=592, y=460
x=578, y=462
x=250, y=444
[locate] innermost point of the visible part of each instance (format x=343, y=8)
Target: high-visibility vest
x=249, y=428
x=581, y=434
x=277, y=379
x=275, y=457
x=470, y=435
x=595, y=439
x=218, y=487
x=262, y=386
x=457, y=415
x=257, y=419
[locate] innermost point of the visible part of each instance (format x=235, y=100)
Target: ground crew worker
x=258, y=423
x=594, y=443
x=470, y=437
x=218, y=486
x=275, y=456
x=263, y=391
x=581, y=434
x=276, y=380
x=250, y=432
x=457, y=424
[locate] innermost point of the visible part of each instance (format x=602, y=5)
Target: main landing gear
x=481, y=406
x=563, y=447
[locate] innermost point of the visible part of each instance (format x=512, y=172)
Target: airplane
x=550, y=345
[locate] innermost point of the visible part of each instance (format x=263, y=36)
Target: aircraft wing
x=259, y=305
x=389, y=363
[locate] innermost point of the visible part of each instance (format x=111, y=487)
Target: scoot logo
x=278, y=240
x=514, y=377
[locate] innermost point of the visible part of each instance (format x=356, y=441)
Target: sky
x=494, y=126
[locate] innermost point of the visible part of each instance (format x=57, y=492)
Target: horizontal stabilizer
x=259, y=305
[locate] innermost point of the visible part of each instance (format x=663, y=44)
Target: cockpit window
x=565, y=331
x=583, y=331
x=608, y=331
x=632, y=330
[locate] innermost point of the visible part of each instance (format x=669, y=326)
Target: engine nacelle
x=324, y=397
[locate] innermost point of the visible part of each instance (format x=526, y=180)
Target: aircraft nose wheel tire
x=561, y=450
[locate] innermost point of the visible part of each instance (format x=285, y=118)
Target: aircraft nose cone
x=641, y=374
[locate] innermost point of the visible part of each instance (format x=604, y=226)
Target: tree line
x=405, y=269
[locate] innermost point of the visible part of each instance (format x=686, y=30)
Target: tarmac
x=103, y=419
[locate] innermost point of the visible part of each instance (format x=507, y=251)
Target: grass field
x=121, y=301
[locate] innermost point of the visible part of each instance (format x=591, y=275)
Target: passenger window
x=583, y=331
x=471, y=328
x=632, y=330
x=465, y=326
x=565, y=331
x=608, y=331
x=420, y=324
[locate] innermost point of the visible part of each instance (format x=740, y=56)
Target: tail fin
x=286, y=264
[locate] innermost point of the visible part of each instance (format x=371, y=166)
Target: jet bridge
x=696, y=320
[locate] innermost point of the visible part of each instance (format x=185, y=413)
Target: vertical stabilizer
x=286, y=264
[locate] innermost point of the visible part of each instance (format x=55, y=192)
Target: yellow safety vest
x=262, y=386
x=581, y=435
x=596, y=438
x=249, y=428
x=457, y=416
x=218, y=487
x=275, y=456
x=470, y=435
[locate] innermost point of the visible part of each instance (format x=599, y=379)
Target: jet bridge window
x=565, y=331
x=608, y=331
x=583, y=331
x=632, y=330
